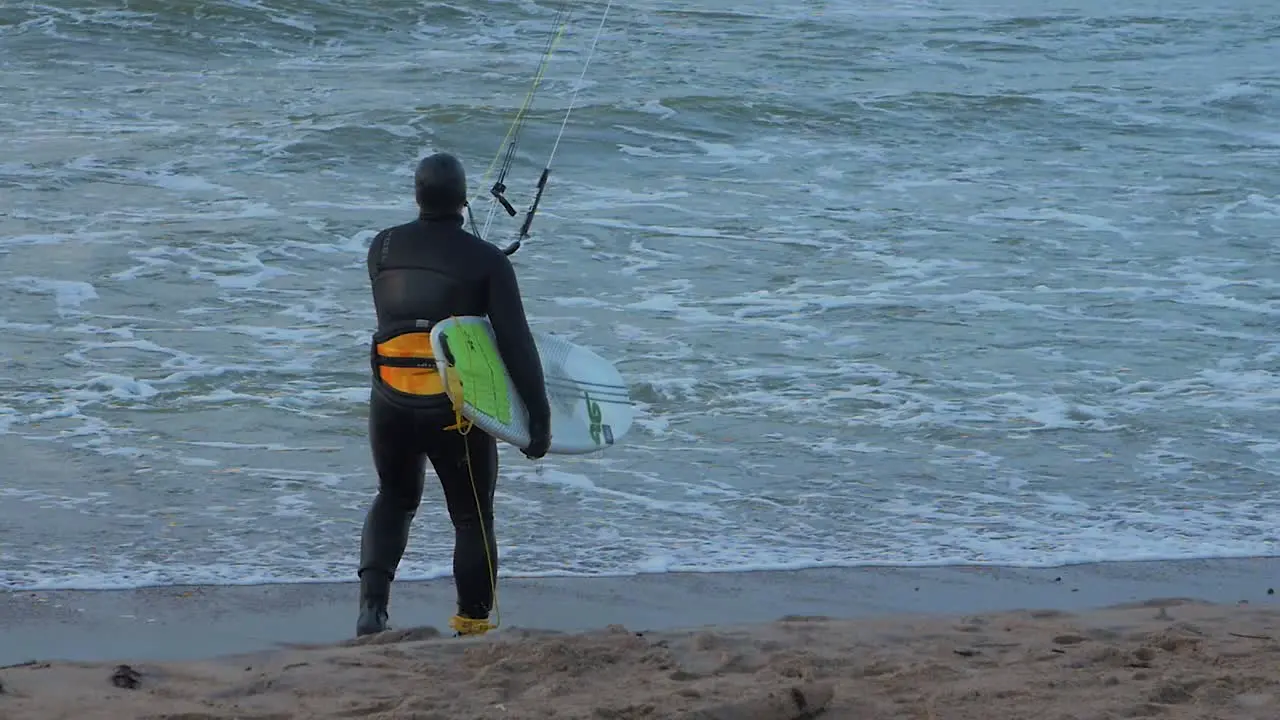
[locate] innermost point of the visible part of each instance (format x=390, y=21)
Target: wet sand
x=184, y=623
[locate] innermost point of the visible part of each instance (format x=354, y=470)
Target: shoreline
x=198, y=622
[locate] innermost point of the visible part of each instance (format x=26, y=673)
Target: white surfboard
x=591, y=407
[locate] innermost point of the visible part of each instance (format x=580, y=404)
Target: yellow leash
x=459, y=624
x=472, y=626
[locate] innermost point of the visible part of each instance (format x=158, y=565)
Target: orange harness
x=403, y=360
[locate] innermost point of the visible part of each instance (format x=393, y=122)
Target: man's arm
x=515, y=343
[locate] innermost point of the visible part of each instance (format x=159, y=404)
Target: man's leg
x=468, y=470
x=400, y=463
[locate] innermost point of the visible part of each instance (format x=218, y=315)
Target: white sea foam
x=887, y=317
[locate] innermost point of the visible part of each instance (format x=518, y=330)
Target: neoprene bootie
x=375, y=590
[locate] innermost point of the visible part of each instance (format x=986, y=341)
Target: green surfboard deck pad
x=474, y=359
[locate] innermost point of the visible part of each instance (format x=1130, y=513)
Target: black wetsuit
x=430, y=269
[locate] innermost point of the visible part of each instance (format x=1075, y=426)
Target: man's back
x=431, y=269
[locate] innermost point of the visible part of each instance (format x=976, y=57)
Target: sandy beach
x=1169, y=658
x=928, y=643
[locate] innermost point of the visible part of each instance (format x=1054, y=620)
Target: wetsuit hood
x=440, y=185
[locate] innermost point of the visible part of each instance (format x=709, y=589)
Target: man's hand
x=539, y=443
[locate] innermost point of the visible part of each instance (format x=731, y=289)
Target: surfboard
x=591, y=407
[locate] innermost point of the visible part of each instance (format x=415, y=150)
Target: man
x=421, y=273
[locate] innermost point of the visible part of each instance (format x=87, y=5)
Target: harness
x=403, y=361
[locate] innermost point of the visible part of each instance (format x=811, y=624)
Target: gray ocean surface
x=900, y=282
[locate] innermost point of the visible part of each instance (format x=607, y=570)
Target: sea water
x=903, y=282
